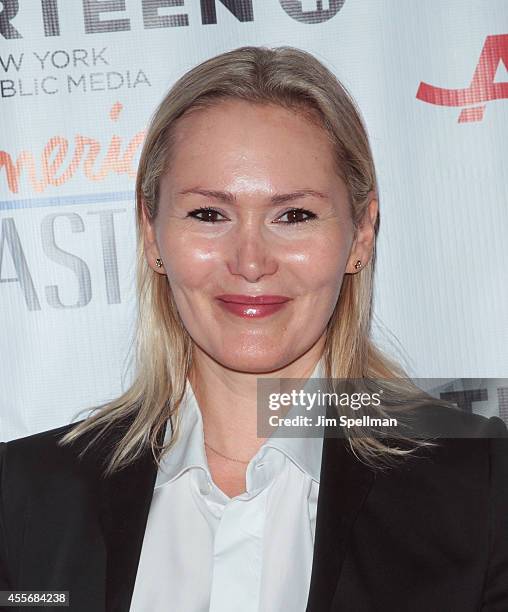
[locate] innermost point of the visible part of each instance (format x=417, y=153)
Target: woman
x=257, y=215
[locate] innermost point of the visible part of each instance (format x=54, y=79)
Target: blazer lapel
x=125, y=502
x=344, y=485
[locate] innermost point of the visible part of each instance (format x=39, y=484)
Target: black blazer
x=429, y=536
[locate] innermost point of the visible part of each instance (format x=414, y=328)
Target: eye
x=294, y=213
x=208, y=213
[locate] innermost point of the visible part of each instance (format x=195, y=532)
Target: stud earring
x=358, y=265
x=158, y=262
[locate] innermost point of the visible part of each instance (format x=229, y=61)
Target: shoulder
x=38, y=452
x=457, y=435
x=39, y=440
x=38, y=462
x=450, y=422
x=467, y=451
x=463, y=474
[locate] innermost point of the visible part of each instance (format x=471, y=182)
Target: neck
x=228, y=400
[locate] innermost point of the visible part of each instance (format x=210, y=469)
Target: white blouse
x=206, y=552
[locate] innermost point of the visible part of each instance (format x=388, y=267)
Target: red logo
x=482, y=88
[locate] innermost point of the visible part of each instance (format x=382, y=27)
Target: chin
x=258, y=363
x=253, y=353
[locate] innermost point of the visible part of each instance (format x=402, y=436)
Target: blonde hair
x=293, y=79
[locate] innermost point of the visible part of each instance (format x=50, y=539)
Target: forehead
x=236, y=136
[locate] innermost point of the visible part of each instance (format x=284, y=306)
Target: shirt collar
x=189, y=449
x=306, y=451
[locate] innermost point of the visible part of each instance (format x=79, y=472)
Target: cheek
x=320, y=265
x=189, y=261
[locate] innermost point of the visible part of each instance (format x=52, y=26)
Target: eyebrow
x=276, y=199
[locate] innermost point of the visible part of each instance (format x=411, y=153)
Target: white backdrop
x=78, y=83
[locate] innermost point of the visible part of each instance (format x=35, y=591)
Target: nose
x=252, y=252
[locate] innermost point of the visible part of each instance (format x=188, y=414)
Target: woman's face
x=251, y=166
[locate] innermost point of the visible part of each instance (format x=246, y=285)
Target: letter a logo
x=482, y=89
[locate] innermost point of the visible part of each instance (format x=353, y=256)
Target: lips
x=252, y=306
x=253, y=299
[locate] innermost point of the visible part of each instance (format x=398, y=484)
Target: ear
x=363, y=244
x=150, y=240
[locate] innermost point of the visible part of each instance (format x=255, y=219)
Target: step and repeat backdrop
x=78, y=82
